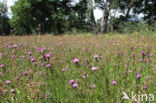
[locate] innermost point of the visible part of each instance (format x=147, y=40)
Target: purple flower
x=12, y=90
x=94, y=68
x=29, y=53
x=71, y=81
x=139, y=69
x=143, y=53
x=129, y=71
x=145, y=87
x=32, y=60
x=23, y=57
x=147, y=77
x=140, y=60
x=48, y=65
x=13, y=56
x=75, y=85
x=95, y=56
x=42, y=50
x=47, y=56
x=15, y=46
x=84, y=77
x=76, y=60
x=63, y=70
x=113, y=82
x=7, y=82
x=92, y=86
x=138, y=76
x=24, y=73
x=2, y=65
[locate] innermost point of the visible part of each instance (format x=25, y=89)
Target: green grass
x=117, y=54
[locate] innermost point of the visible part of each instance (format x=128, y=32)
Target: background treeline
x=68, y=16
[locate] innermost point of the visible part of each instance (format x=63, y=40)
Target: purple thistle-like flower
x=129, y=71
x=24, y=73
x=63, y=70
x=92, y=86
x=2, y=65
x=23, y=57
x=138, y=76
x=76, y=60
x=29, y=53
x=143, y=53
x=141, y=60
x=7, y=82
x=84, y=77
x=47, y=56
x=48, y=65
x=32, y=59
x=147, y=77
x=13, y=57
x=12, y=90
x=75, y=85
x=94, y=68
x=113, y=82
x=95, y=56
x=71, y=81
x=15, y=46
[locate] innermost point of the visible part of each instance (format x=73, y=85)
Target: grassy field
x=77, y=69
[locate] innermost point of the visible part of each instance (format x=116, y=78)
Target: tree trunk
x=94, y=26
x=105, y=18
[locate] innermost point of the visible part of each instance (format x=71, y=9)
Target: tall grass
x=40, y=68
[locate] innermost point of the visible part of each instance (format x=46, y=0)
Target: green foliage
x=4, y=20
x=53, y=15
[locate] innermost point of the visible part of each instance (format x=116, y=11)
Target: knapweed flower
x=145, y=87
x=113, y=82
x=7, y=82
x=143, y=53
x=75, y=85
x=141, y=60
x=63, y=70
x=12, y=90
x=47, y=56
x=129, y=71
x=29, y=53
x=94, y=68
x=32, y=59
x=138, y=76
x=147, y=77
x=76, y=60
x=139, y=69
x=95, y=56
x=15, y=46
x=13, y=57
x=92, y=86
x=2, y=65
x=24, y=73
x=48, y=65
x=42, y=50
x=83, y=77
x=23, y=57
x=71, y=81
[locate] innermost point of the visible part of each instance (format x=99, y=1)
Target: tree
x=92, y=18
x=4, y=20
x=55, y=16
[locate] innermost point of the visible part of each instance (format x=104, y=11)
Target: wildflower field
x=77, y=69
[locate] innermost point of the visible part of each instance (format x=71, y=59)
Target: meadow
x=77, y=69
